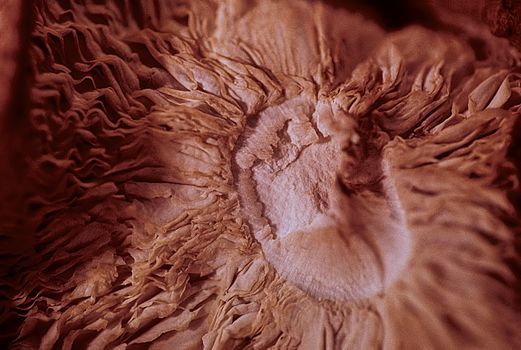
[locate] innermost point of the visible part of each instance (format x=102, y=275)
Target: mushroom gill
x=258, y=175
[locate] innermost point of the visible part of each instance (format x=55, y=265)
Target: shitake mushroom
x=264, y=174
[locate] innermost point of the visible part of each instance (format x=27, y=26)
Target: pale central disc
x=331, y=244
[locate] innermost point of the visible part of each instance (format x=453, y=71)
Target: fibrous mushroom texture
x=257, y=175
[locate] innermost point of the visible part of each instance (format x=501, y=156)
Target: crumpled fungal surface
x=265, y=175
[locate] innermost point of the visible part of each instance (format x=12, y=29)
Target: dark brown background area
x=390, y=14
x=502, y=16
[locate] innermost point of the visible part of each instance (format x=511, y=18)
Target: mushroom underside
x=200, y=175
